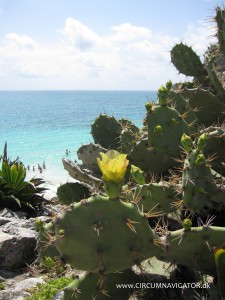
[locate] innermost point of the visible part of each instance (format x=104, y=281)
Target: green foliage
x=39, y=224
x=15, y=192
x=52, y=266
x=46, y=291
x=47, y=263
x=2, y=286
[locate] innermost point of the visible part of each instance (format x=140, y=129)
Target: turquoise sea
x=40, y=125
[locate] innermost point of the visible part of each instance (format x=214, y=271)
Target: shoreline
x=53, y=177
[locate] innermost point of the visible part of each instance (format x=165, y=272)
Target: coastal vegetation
x=149, y=203
x=157, y=192
x=15, y=191
x=49, y=289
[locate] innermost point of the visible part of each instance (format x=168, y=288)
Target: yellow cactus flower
x=113, y=165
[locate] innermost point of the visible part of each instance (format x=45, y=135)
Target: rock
x=58, y=296
x=19, y=290
x=7, y=213
x=17, y=242
x=49, y=210
x=76, y=172
x=28, y=283
x=17, y=247
x=4, y=220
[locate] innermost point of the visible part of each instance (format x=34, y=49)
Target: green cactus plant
x=214, y=75
x=106, y=131
x=134, y=215
x=166, y=137
x=46, y=247
x=197, y=180
x=184, y=108
x=204, y=102
x=127, y=140
x=159, y=198
x=219, y=18
x=187, y=61
x=196, y=244
x=87, y=286
x=214, y=148
x=114, y=236
x=70, y=192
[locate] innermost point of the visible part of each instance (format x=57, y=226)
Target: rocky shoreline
x=18, y=251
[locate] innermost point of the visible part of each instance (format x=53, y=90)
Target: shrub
x=15, y=192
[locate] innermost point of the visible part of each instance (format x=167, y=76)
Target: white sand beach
x=53, y=178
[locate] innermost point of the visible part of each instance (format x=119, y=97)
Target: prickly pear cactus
x=87, y=286
x=219, y=18
x=187, y=61
x=104, y=236
x=158, y=190
x=214, y=148
x=45, y=242
x=157, y=198
x=203, y=102
x=150, y=159
x=72, y=192
x=196, y=243
x=197, y=180
x=184, y=108
x=106, y=131
x=165, y=128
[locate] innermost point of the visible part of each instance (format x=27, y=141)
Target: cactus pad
x=102, y=235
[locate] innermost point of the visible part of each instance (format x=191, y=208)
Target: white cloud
x=200, y=36
x=127, y=32
x=23, y=41
x=130, y=57
x=79, y=34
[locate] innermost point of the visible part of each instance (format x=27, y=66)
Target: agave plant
x=15, y=191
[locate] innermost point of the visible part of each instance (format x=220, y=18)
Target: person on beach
x=28, y=167
x=44, y=166
x=33, y=168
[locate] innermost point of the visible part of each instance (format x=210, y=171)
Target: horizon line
x=79, y=90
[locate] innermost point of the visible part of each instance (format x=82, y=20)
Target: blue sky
x=97, y=44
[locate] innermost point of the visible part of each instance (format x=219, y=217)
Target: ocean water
x=39, y=126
